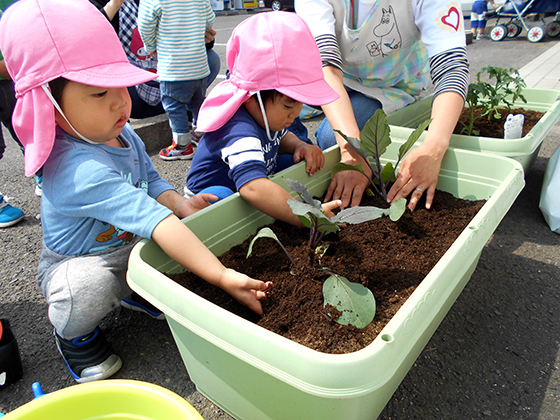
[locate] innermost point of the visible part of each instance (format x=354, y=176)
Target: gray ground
x=495, y=355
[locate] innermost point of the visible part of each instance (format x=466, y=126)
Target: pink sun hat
x=272, y=50
x=42, y=40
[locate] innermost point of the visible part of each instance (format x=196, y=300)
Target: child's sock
x=182, y=140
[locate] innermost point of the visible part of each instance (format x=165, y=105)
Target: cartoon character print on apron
x=384, y=58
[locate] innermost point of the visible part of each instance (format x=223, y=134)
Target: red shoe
x=174, y=152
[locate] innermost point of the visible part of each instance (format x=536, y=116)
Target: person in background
x=478, y=17
x=377, y=54
x=245, y=118
x=146, y=97
x=9, y=215
x=101, y=193
x=176, y=31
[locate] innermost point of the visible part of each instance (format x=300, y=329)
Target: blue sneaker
x=9, y=215
x=139, y=304
x=89, y=357
x=39, y=186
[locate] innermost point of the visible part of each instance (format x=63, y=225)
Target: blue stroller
x=516, y=11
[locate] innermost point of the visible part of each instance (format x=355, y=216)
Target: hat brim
x=111, y=75
x=315, y=93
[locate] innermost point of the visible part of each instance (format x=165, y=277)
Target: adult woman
x=375, y=54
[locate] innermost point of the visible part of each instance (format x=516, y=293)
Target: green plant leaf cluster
x=374, y=140
x=507, y=88
x=354, y=301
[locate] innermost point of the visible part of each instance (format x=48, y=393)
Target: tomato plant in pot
x=485, y=114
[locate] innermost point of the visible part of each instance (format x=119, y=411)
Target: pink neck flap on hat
x=42, y=40
x=272, y=50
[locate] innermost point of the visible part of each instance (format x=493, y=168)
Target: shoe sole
x=187, y=157
x=11, y=222
x=125, y=304
x=108, y=373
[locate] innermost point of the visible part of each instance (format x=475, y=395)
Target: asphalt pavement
x=495, y=355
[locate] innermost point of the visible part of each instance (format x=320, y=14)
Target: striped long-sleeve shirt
x=175, y=29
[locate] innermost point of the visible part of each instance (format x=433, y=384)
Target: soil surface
x=494, y=127
x=389, y=258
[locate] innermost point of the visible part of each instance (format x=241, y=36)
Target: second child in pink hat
x=101, y=193
x=275, y=67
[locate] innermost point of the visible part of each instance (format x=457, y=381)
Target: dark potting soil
x=494, y=127
x=390, y=258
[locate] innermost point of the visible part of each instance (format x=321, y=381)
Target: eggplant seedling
x=374, y=142
x=354, y=301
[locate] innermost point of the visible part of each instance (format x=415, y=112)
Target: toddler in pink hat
x=274, y=67
x=101, y=193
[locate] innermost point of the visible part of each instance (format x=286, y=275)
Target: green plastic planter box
x=524, y=149
x=113, y=399
x=255, y=374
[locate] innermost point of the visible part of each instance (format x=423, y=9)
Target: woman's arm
x=347, y=186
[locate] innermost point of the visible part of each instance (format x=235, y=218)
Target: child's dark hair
x=271, y=95
x=57, y=86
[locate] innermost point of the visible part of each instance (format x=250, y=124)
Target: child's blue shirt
x=235, y=154
x=98, y=196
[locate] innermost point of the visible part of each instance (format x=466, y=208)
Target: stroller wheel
x=553, y=28
x=498, y=32
x=535, y=34
x=513, y=29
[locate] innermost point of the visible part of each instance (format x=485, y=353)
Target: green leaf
x=263, y=233
x=375, y=134
x=397, y=209
x=268, y=233
x=311, y=216
x=360, y=214
x=414, y=136
x=387, y=172
x=355, y=302
x=303, y=193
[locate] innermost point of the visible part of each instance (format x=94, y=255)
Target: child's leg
x=81, y=291
x=174, y=97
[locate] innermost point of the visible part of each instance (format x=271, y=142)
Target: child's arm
x=178, y=241
x=183, y=207
x=272, y=199
x=313, y=155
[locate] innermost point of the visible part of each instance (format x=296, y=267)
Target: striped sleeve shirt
x=175, y=29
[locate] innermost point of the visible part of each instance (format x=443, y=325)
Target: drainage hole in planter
x=388, y=338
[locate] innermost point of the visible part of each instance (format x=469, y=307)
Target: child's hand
x=330, y=206
x=244, y=289
x=313, y=156
x=188, y=206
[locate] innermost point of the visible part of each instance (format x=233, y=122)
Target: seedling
x=490, y=98
x=354, y=301
x=374, y=142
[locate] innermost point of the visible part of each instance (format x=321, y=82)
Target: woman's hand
x=418, y=173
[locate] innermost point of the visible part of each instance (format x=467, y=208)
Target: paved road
x=494, y=356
